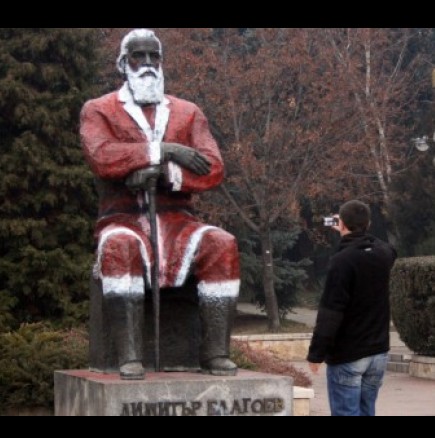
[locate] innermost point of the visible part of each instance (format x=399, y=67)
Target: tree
x=47, y=200
x=264, y=96
x=378, y=78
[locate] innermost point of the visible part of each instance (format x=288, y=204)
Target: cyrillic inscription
x=211, y=408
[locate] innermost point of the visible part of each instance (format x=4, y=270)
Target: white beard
x=148, y=89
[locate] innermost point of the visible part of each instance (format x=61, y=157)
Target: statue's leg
x=122, y=274
x=217, y=269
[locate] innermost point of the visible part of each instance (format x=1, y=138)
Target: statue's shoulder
x=105, y=101
x=182, y=104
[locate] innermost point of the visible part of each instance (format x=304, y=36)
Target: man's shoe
x=132, y=371
x=219, y=366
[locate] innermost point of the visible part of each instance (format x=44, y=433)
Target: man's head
x=354, y=217
x=140, y=61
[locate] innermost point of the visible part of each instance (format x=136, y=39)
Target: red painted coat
x=115, y=144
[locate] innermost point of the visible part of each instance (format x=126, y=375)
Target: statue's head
x=140, y=60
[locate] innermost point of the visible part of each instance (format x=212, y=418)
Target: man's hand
x=337, y=227
x=187, y=158
x=139, y=180
x=314, y=367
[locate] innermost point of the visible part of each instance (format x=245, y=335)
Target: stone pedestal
x=83, y=393
x=422, y=367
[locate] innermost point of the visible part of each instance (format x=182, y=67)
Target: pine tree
x=47, y=198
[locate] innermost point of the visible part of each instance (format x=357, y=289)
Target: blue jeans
x=353, y=387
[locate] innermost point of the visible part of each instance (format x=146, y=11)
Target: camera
x=330, y=221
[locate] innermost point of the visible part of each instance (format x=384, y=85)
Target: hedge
x=28, y=359
x=413, y=303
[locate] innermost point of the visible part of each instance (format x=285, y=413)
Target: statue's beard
x=147, y=85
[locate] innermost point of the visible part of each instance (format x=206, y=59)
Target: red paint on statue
x=115, y=147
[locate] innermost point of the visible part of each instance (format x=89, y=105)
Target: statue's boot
x=217, y=316
x=126, y=315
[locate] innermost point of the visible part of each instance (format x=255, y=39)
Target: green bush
x=413, y=303
x=28, y=359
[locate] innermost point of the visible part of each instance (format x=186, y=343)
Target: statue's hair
x=137, y=33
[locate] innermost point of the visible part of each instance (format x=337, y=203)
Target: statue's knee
x=121, y=255
x=220, y=241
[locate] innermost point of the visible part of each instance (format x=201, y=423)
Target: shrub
x=413, y=303
x=256, y=360
x=28, y=359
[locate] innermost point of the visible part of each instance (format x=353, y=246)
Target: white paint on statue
x=134, y=34
x=127, y=285
x=162, y=118
x=189, y=254
x=223, y=289
x=175, y=176
x=120, y=231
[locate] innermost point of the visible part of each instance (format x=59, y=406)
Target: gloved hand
x=140, y=179
x=186, y=157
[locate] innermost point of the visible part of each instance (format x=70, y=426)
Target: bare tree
x=377, y=73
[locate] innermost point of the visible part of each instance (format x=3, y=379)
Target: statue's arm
x=202, y=141
x=108, y=156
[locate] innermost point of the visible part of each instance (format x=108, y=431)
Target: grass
x=246, y=324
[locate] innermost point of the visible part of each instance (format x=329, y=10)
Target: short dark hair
x=356, y=216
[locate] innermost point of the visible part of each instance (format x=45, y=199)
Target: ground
x=248, y=324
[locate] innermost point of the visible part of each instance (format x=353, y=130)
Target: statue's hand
x=187, y=157
x=140, y=179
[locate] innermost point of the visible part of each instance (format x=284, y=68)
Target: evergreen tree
x=290, y=277
x=47, y=198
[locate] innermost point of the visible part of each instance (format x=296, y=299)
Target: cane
x=152, y=188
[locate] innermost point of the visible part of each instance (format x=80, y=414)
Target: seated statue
x=129, y=137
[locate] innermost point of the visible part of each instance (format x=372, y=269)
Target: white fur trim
x=189, y=254
x=116, y=232
x=155, y=153
x=125, y=285
x=124, y=94
x=175, y=176
x=223, y=289
x=162, y=118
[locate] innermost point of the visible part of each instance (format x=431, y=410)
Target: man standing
x=131, y=136
x=353, y=324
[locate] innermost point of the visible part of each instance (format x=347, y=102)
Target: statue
x=131, y=138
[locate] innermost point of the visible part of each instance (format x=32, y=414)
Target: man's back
x=352, y=329
x=359, y=276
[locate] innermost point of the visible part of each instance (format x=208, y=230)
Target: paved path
x=308, y=317
x=401, y=394
x=304, y=316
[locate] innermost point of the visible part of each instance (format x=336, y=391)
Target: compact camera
x=330, y=221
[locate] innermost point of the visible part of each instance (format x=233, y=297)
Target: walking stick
x=152, y=188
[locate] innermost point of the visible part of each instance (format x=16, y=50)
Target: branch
x=239, y=210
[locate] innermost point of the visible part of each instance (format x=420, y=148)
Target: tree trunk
x=268, y=281
x=391, y=228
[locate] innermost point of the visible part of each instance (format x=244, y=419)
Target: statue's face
x=144, y=71
x=143, y=52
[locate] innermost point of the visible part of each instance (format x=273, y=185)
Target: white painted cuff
x=222, y=289
x=155, y=153
x=175, y=176
x=126, y=285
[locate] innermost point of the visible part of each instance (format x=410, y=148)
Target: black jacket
x=354, y=315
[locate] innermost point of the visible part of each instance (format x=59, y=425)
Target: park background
x=306, y=119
